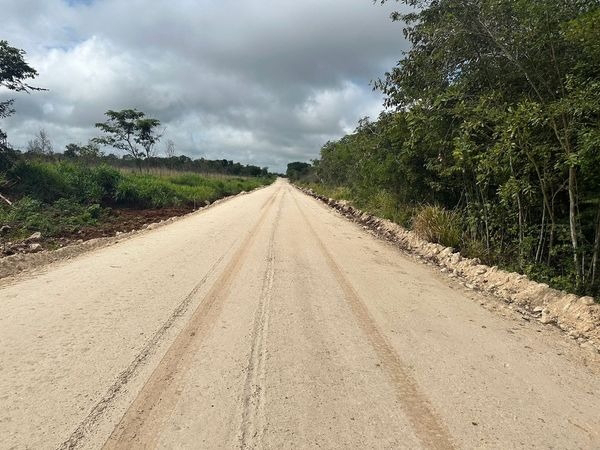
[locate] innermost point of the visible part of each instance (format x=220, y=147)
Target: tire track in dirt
x=140, y=424
x=427, y=425
x=252, y=425
x=88, y=424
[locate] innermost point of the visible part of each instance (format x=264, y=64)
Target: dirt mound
x=578, y=316
x=120, y=221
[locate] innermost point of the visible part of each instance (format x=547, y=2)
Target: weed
x=438, y=225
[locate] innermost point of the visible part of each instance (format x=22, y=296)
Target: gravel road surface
x=269, y=321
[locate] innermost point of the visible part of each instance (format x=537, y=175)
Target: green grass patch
x=29, y=215
x=150, y=191
x=56, y=198
x=379, y=203
x=438, y=225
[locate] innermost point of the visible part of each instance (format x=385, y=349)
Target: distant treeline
x=494, y=122
x=179, y=163
x=187, y=164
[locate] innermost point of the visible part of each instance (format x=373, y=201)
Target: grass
x=432, y=223
x=28, y=215
x=166, y=172
x=438, y=225
x=55, y=198
x=151, y=191
x=379, y=203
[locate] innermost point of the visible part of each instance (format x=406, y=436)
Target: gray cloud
x=262, y=82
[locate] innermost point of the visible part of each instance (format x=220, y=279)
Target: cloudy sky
x=258, y=81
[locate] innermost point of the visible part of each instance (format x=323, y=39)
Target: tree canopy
x=494, y=111
x=14, y=71
x=296, y=170
x=131, y=131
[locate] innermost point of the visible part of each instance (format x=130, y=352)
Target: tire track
x=252, y=425
x=140, y=424
x=427, y=425
x=88, y=424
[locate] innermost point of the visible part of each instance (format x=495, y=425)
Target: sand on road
x=270, y=321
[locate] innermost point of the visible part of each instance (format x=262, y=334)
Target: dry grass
x=438, y=225
x=167, y=173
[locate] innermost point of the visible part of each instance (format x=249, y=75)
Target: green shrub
x=438, y=225
x=59, y=198
x=335, y=192
x=196, y=195
x=146, y=191
x=108, y=180
x=341, y=193
x=24, y=215
x=28, y=215
x=8, y=156
x=190, y=179
x=49, y=182
x=477, y=249
x=40, y=181
x=384, y=204
x=81, y=184
x=149, y=191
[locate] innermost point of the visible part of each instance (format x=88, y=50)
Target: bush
x=59, y=198
x=28, y=215
x=149, y=191
x=108, y=180
x=341, y=193
x=337, y=193
x=386, y=205
x=146, y=191
x=190, y=179
x=24, y=215
x=8, y=156
x=40, y=181
x=48, y=182
x=472, y=248
x=438, y=225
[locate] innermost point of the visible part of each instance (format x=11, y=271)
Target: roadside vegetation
x=491, y=138
x=59, y=199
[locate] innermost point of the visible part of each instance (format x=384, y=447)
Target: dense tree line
x=137, y=136
x=199, y=165
x=494, y=113
x=298, y=170
x=129, y=131
x=90, y=154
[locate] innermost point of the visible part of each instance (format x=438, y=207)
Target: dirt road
x=271, y=322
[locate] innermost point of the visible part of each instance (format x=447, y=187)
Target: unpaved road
x=271, y=322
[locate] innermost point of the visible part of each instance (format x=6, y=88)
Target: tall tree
x=40, y=144
x=14, y=72
x=170, y=151
x=131, y=131
x=88, y=153
x=297, y=170
x=504, y=54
